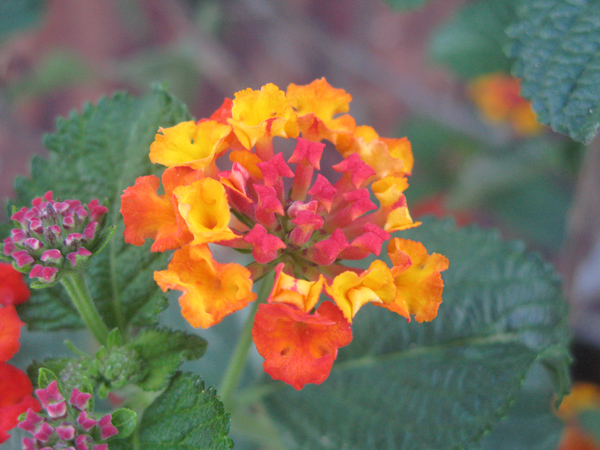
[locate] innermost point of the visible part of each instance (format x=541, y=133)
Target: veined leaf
x=471, y=43
x=556, y=44
x=187, y=416
x=445, y=383
x=96, y=154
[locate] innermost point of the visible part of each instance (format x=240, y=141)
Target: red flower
x=13, y=290
x=15, y=398
x=10, y=332
x=299, y=347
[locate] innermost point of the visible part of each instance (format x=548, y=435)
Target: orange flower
x=417, y=278
x=189, y=144
x=301, y=293
x=351, y=291
x=498, y=97
x=299, y=347
x=211, y=290
x=149, y=215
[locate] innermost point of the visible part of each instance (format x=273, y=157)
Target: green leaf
x=406, y=5
x=97, y=154
x=471, y=43
x=18, y=14
x=187, y=416
x=46, y=377
x=163, y=351
x=556, y=44
x=442, y=384
x=124, y=420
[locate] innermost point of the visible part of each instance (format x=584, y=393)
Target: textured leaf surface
x=187, y=416
x=96, y=154
x=441, y=384
x=471, y=43
x=163, y=351
x=556, y=44
x=406, y=5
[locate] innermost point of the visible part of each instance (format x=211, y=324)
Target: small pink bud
x=19, y=216
x=48, y=274
x=68, y=222
x=50, y=394
x=355, y=170
x=267, y=206
x=107, y=429
x=323, y=192
x=101, y=447
x=89, y=233
x=9, y=246
x=81, y=252
x=79, y=399
x=17, y=235
x=326, y=252
x=265, y=246
x=73, y=240
x=87, y=423
x=33, y=244
x=81, y=213
x=22, y=258
x=29, y=444
x=61, y=207
x=81, y=442
x=66, y=431
x=31, y=421
x=57, y=410
x=96, y=210
x=36, y=271
x=44, y=432
x=36, y=226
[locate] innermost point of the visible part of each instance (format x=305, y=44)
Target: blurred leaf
x=471, y=43
x=589, y=420
x=406, y=5
x=187, y=416
x=441, y=384
x=556, y=44
x=96, y=154
x=18, y=14
x=163, y=351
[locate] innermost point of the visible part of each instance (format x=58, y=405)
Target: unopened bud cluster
x=63, y=425
x=54, y=235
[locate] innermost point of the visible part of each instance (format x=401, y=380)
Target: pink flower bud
x=87, y=423
x=81, y=252
x=79, y=400
x=22, y=258
x=66, y=431
x=33, y=244
x=17, y=235
x=107, y=429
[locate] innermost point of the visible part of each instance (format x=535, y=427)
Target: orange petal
x=298, y=347
x=10, y=332
x=149, y=215
x=351, y=291
x=211, y=290
x=419, y=284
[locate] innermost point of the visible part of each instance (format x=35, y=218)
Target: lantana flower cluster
x=54, y=235
x=15, y=387
x=227, y=182
x=66, y=425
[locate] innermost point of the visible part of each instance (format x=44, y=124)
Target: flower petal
x=301, y=293
x=211, y=290
x=298, y=347
x=15, y=398
x=10, y=332
x=419, y=284
x=13, y=289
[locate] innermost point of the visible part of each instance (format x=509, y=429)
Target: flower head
x=295, y=215
x=54, y=235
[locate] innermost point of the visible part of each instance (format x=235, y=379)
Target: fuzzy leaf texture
x=442, y=384
x=406, y=5
x=471, y=43
x=556, y=46
x=97, y=153
x=186, y=416
x=163, y=351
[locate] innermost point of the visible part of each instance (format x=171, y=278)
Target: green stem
x=237, y=363
x=75, y=285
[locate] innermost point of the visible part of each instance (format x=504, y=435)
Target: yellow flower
x=211, y=290
x=350, y=291
x=262, y=114
x=417, y=279
x=189, y=144
x=301, y=293
x=203, y=205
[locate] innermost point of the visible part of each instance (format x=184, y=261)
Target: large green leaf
x=441, y=384
x=556, y=44
x=96, y=154
x=471, y=43
x=187, y=416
